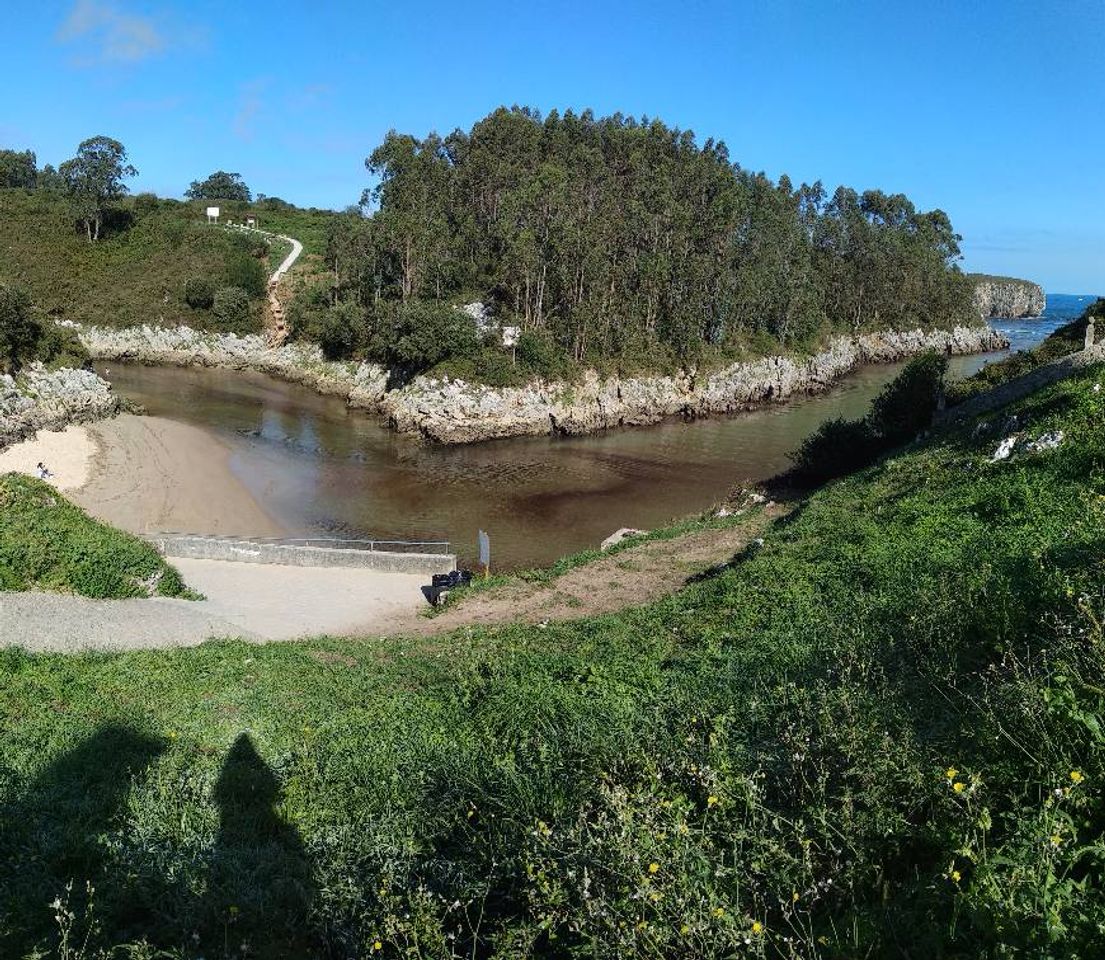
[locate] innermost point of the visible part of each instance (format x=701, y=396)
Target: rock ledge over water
x=453, y=411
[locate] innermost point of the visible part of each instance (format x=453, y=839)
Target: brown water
x=317, y=466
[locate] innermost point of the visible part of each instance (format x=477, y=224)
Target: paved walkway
x=247, y=600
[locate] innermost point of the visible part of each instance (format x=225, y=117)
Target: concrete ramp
x=391, y=556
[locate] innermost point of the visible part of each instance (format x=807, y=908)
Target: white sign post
x=485, y=552
x=212, y=214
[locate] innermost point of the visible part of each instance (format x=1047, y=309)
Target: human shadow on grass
x=57, y=829
x=67, y=829
x=259, y=885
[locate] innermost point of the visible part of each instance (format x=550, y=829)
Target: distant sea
x=1061, y=308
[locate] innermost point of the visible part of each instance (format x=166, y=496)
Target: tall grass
x=879, y=735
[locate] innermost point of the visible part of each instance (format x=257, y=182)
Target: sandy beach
x=150, y=474
x=67, y=454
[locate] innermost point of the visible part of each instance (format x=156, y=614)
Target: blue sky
x=991, y=110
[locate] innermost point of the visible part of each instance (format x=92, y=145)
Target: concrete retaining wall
x=250, y=551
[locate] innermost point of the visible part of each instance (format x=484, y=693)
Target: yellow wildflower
x=376, y=945
x=956, y=876
x=1077, y=776
x=711, y=801
x=757, y=927
x=794, y=897
x=951, y=773
x=719, y=912
x=685, y=929
x=1056, y=840
x=653, y=867
x=959, y=786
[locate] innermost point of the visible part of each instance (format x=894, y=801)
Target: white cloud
x=250, y=103
x=112, y=35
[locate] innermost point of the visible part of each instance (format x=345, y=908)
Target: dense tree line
x=617, y=238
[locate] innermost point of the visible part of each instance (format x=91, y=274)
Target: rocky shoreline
x=41, y=399
x=453, y=411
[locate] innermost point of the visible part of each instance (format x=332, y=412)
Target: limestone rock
x=41, y=399
x=1007, y=297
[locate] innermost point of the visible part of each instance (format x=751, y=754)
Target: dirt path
x=628, y=578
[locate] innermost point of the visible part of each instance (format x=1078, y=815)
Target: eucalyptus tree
x=93, y=178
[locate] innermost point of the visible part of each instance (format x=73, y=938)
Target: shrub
x=340, y=330
x=906, y=405
x=246, y=273
x=836, y=448
x=61, y=347
x=199, y=293
x=424, y=334
x=231, y=307
x=48, y=543
x=20, y=331
x=539, y=352
x=145, y=204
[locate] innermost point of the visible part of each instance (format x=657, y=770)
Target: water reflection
x=317, y=466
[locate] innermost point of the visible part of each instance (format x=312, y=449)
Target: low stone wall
x=294, y=555
x=453, y=411
x=41, y=399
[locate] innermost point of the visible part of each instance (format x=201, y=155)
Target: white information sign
x=212, y=213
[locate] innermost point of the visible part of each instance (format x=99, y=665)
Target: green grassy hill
x=879, y=734
x=137, y=272
x=46, y=543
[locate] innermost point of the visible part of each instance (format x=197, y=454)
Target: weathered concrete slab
x=295, y=555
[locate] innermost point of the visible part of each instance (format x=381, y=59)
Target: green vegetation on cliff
x=46, y=543
x=879, y=733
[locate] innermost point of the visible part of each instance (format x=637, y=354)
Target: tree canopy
x=624, y=238
x=93, y=178
x=220, y=186
x=18, y=169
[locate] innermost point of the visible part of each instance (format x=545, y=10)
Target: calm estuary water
x=318, y=467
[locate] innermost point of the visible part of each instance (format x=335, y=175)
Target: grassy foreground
x=47, y=543
x=878, y=735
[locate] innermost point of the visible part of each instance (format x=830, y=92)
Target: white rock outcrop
x=41, y=399
x=453, y=411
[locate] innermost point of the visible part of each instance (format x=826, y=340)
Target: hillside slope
x=137, y=272
x=879, y=735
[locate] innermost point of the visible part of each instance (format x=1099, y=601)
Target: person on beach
x=42, y=472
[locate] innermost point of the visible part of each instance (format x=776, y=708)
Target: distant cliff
x=1007, y=297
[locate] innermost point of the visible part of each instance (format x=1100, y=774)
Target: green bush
x=20, y=330
x=423, y=334
x=247, y=273
x=231, y=308
x=340, y=330
x=61, y=347
x=199, y=293
x=145, y=204
x=906, y=405
x=539, y=353
x=903, y=409
x=46, y=543
x=836, y=448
